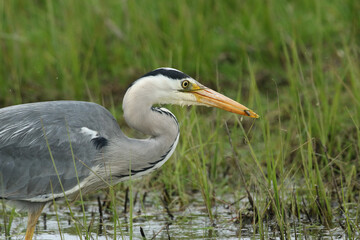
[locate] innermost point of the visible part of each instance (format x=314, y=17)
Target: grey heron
x=49, y=150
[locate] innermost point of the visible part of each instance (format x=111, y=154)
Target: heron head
x=171, y=86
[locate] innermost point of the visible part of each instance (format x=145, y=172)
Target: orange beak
x=212, y=98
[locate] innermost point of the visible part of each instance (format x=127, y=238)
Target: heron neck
x=156, y=122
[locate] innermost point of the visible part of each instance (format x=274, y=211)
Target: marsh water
x=153, y=220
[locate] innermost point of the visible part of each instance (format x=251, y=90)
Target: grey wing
x=41, y=143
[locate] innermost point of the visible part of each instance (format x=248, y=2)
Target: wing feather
x=33, y=135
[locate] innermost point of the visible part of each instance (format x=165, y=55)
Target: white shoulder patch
x=88, y=132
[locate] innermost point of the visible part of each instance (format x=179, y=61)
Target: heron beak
x=212, y=98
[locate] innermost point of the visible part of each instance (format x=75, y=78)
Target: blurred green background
x=295, y=63
x=92, y=49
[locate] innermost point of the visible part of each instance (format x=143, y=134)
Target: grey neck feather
x=136, y=157
x=149, y=154
x=139, y=114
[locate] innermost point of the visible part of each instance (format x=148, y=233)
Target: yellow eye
x=185, y=84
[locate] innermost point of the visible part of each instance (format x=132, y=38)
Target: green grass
x=295, y=63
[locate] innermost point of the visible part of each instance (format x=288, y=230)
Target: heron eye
x=185, y=84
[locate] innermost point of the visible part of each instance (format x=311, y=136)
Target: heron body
x=52, y=149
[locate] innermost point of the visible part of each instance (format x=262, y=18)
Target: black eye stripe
x=170, y=73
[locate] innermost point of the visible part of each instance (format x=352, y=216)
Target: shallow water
x=192, y=222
